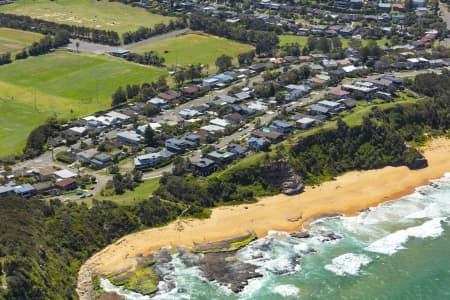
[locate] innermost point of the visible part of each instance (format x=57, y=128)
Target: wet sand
x=348, y=194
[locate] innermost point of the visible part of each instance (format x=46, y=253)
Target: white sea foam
x=348, y=264
x=107, y=286
x=286, y=290
x=394, y=242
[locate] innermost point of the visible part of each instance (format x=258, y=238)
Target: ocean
x=398, y=250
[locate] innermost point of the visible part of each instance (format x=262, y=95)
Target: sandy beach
x=348, y=194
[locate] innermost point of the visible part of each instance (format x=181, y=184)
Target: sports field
x=194, y=49
x=62, y=83
x=90, y=13
x=302, y=40
x=12, y=40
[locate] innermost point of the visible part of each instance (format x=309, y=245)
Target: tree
x=151, y=110
x=119, y=97
x=137, y=175
x=179, y=166
x=224, y=62
x=149, y=136
x=179, y=78
x=336, y=42
x=324, y=45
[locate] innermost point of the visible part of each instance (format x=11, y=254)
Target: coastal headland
x=347, y=195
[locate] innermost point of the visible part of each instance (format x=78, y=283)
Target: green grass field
x=203, y=49
x=302, y=40
x=142, y=192
x=12, y=40
x=62, y=83
x=90, y=13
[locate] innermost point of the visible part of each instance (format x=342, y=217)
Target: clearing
x=13, y=40
x=202, y=49
x=90, y=13
x=142, y=192
x=62, y=83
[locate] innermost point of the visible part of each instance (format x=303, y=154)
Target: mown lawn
x=302, y=40
x=62, y=83
x=13, y=40
x=194, y=49
x=142, y=192
x=90, y=13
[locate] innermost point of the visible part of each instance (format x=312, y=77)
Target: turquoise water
x=399, y=250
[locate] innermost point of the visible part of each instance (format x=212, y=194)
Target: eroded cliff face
x=280, y=173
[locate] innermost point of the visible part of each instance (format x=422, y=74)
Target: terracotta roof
x=338, y=92
x=65, y=182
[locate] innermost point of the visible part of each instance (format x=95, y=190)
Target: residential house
x=6, y=190
x=146, y=161
x=348, y=103
x=74, y=132
x=179, y=145
x=188, y=113
x=258, y=143
x=281, y=127
x=337, y=94
x=221, y=157
x=243, y=96
x=204, y=167
x=316, y=109
x=26, y=190
x=238, y=150
x=67, y=184
x=43, y=188
x=193, y=138
x=219, y=122
x=87, y=155
x=273, y=136
x=161, y=103
x=234, y=118
x=46, y=173
x=190, y=90
x=296, y=91
x=129, y=138
x=333, y=106
x=101, y=161
x=64, y=174
x=258, y=68
x=365, y=91
x=306, y=122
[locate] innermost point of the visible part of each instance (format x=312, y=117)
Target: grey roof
x=203, y=163
x=24, y=188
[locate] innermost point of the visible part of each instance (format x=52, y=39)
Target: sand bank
x=347, y=195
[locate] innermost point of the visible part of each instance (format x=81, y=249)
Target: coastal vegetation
x=44, y=244
x=63, y=84
x=203, y=49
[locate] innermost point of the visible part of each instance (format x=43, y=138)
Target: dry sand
x=347, y=195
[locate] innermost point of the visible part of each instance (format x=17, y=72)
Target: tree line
x=150, y=58
x=46, y=27
x=43, y=46
x=143, y=33
x=264, y=41
x=139, y=93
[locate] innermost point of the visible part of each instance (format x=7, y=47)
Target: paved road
x=101, y=49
